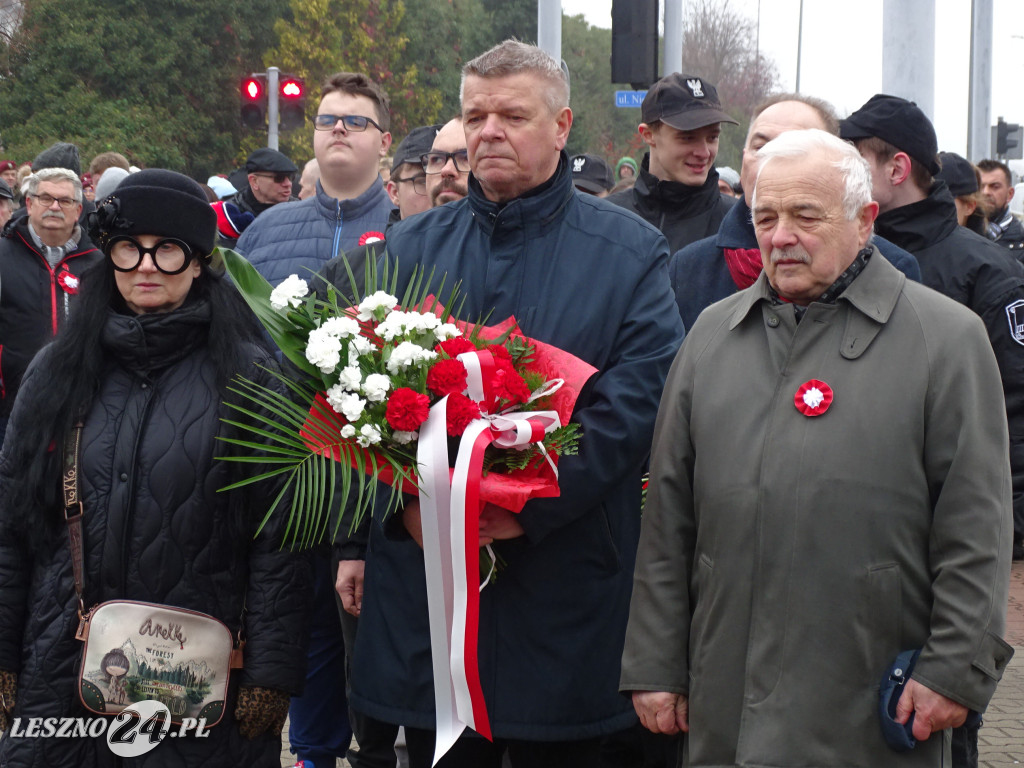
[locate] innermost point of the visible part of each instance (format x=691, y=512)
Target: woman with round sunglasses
x=145, y=366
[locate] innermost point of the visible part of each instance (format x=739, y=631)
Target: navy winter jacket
x=590, y=278
x=300, y=238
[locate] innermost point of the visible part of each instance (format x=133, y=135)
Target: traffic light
x=635, y=42
x=254, y=101
x=1007, y=138
x=292, y=103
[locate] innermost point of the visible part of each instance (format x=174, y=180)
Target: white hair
x=512, y=57
x=848, y=161
x=31, y=184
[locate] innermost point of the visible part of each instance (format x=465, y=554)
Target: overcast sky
x=842, y=54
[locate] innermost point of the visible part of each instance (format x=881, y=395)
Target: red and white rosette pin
x=371, y=237
x=68, y=282
x=813, y=398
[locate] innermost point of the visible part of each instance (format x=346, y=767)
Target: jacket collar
x=737, y=228
x=652, y=194
x=353, y=207
x=533, y=212
x=919, y=225
x=873, y=294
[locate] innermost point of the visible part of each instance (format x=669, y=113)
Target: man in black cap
x=591, y=174
x=917, y=212
x=407, y=186
x=677, y=189
x=270, y=175
x=962, y=178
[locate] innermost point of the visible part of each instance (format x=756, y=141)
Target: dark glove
x=261, y=710
x=8, y=690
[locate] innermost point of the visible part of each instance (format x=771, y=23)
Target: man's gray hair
x=854, y=168
x=512, y=58
x=31, y=183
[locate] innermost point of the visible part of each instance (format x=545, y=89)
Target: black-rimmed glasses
x=356, y=123
x=419, y=183
x=435, y=161
x=67, y=203
x=170, y=255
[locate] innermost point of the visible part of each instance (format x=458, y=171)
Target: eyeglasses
x=434, y=162
x=170, y=255
x=279, y=178
x=419, y=183
x=354, y=123
x=67, y=203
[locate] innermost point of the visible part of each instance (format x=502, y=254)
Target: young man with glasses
x=42, y=254
x=408, y=185
x=351, y=205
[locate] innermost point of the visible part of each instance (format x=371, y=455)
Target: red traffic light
x=292, y=88
x=252, y=88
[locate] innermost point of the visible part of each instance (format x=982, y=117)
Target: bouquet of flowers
x=369, y=372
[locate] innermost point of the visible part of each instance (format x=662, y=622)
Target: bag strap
x=73, y=509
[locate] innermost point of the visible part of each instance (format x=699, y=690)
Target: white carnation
x=348, y=432
x=407, y=354
x=376, y=387
x=342, y=327
x=352, y=406
x=323, y=350
x=289, y=293
x=359, y=345
x=350, y=379
x=404, y=438
x=368, y=435
x=378, y=300
x=423, y=321
x=446, y=331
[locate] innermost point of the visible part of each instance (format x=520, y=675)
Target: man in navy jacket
x=590, y=278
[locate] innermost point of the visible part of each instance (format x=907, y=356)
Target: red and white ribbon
x=450, y=517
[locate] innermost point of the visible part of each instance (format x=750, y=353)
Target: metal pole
x=799, y=44
x=908, y=51
x=979, y=108
x=273, y=78
x=549, y=27
x=673, y=61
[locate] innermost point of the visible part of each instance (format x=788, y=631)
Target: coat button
x=773, y=321
x=144, y=385
x=124, y=477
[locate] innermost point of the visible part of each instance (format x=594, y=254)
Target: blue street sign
x=629, y=98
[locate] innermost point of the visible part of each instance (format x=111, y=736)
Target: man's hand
x=411, y=521
x=662, y=712
x=934, y=712
x=498, y=523
x=350, y=585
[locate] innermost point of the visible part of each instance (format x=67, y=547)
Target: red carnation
x=446, y=377
x=509, y=386
x=455, y=346
x=407, y=409
x=461, y=411
x=500, y=352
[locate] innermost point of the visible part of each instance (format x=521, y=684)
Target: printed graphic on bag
x=139, y=652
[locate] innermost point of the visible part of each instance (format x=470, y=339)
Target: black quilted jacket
x=156, y=529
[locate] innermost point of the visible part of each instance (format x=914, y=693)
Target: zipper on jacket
x=337, y=229
x=130, y=511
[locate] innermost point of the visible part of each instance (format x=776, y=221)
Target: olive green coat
x=785, y=560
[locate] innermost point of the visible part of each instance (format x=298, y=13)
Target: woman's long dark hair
x=76, y=365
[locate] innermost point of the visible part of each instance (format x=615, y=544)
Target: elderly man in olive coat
x=829, y=487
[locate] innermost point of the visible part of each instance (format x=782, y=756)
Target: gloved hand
x=261, y=710
x=8, y=690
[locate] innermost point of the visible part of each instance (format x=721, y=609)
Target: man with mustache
x=43, y=253
x=447, y=164
x=866, y=511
